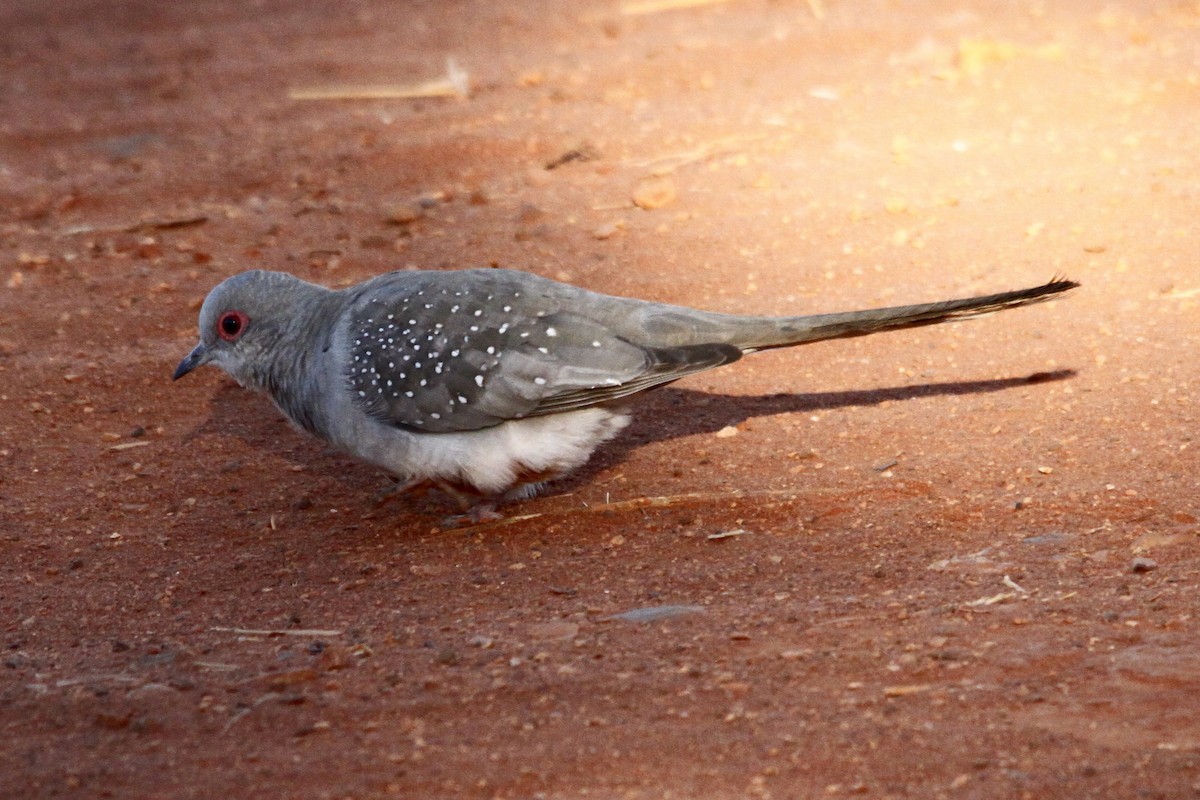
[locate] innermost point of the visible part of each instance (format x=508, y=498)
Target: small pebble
x=1045, y=538
x=655, y=613
x=405, y=214
x=654, y=193
x=1142, y=564
x=605, y=231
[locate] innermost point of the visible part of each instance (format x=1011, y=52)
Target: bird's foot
x=475, y=508
x=476, y=514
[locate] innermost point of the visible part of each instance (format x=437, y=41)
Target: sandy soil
x=952, y=562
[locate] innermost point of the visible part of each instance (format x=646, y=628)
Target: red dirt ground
x=961, y=556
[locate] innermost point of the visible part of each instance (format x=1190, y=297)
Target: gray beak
x=198, y=357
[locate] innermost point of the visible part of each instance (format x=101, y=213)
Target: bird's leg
x=475, y=508
x=397, y=488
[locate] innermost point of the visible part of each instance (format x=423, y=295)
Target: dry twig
x=455, y=83
x=664, y=501
x=278, y=632
x=634, y=8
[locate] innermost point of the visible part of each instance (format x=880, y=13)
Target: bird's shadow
x=664, y=414
x=673, y=413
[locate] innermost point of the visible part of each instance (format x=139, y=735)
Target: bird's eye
x=231, y=325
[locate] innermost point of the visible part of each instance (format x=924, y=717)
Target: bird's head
x=242, y=322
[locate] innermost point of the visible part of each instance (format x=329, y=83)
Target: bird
x=490, y=383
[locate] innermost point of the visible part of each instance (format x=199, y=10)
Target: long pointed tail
x=790, y=331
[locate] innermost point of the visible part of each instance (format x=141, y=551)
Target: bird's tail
x=789, y=331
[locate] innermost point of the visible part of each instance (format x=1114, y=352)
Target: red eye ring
x=231, y=325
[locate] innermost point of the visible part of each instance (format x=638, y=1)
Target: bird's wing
x=443, y=363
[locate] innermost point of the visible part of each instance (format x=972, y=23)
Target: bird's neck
x=294, y=376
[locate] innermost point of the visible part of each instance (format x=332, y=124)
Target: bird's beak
x=199, y=356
